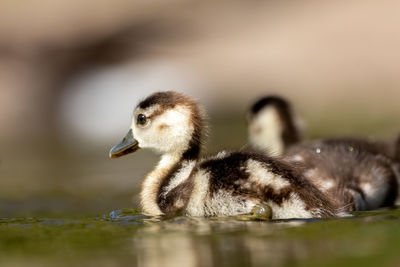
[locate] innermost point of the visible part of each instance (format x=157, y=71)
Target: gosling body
x=274, y=127
x=357, y=178
x=230, y=183
x=359, y=174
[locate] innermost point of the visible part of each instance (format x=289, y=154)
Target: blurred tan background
x=72, y=71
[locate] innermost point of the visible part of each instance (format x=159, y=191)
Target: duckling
x=228, y=184
x=272, y=125
x=358, y=173
x=348, y=172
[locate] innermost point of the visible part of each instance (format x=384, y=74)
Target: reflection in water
x=191, y=242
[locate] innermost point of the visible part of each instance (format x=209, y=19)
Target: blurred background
x=72, y=71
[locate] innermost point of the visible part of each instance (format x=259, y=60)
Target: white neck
x=270, y=138
x=152, y=183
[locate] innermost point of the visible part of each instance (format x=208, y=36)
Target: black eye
x=141, y=119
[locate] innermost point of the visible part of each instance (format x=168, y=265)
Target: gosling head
x=166, y=122
x=272, y=125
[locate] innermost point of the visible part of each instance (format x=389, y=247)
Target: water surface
x=125, y=237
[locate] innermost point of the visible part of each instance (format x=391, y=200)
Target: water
x=61, y=207
x=125, y=237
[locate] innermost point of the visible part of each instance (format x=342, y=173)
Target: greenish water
x=127, y=238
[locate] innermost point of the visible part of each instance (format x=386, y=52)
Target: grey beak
x=128, y=145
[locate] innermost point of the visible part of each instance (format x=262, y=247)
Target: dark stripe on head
x=290, y=134
x=276, y=101
x=167, y=99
